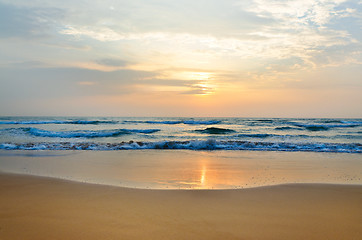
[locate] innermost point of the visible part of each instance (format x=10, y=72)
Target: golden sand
x=44, y=208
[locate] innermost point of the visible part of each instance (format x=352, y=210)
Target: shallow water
x=185, y=169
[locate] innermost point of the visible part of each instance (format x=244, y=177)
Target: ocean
x=183, y=153
x=134, y=133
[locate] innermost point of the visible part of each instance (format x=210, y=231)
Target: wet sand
x=183, y=169
x=46, y=208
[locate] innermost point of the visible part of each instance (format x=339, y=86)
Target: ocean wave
x=268, y=135
x=191, y=145
x=342, y=121
x=316, y=127
x=172, y=122
x=286, y=128
x=331, y=121
x=348, y=136
x=94, y=122
x=214, y=130
x=194, y=122
x=163, y=122
x=265, y=120
x=142, y=130
x=295, y=136
x=82, y=122
x=257, y=135
x=324, y=127
x=82, y=133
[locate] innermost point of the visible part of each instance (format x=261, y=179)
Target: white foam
x=210, y=144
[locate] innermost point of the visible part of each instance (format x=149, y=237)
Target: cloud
x=43, y=83
x=101, y=34
x=199, y=89
x=23, y=64
x=85, y=83
x=53, y=49
x=112, y=62
x=307, y=12
x=201, y=31
x=257, y=30
x=20, y=22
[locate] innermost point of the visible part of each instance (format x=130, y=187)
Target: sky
x=181, y=58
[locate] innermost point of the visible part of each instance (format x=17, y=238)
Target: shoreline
x=70, y=181
x=48, y=208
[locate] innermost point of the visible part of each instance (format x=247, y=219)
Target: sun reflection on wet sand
x=203, y=176
x=213, y=174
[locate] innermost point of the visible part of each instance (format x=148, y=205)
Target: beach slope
x=44, y=208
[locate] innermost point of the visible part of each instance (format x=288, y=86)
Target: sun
x=199, y=76
x=197, y=83
x=203, y=85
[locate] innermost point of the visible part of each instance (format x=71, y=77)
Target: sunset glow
x=294, y=58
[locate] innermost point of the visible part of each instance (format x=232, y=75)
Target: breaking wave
x=191, y=145
x=83, y=133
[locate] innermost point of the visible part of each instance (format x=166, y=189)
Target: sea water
x=186, y=153
x=234, y=134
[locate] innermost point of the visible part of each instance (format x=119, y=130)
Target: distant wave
x=257, y=135
x=265, y=120
x=331, y=121
x=349, y=136
x=33, y=122
x=351, y=121
x=295, y=136
x=83, y=133
x=163, y=122
x=316, y=127
x=325, y=127
x=172, y=122
x=214, y=130
x=194, y=122
x=287, y=128
x=191, y=145
x=91, y=122
x=267, y=135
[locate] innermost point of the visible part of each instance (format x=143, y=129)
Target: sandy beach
x=181, y=120
x=46, y=208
